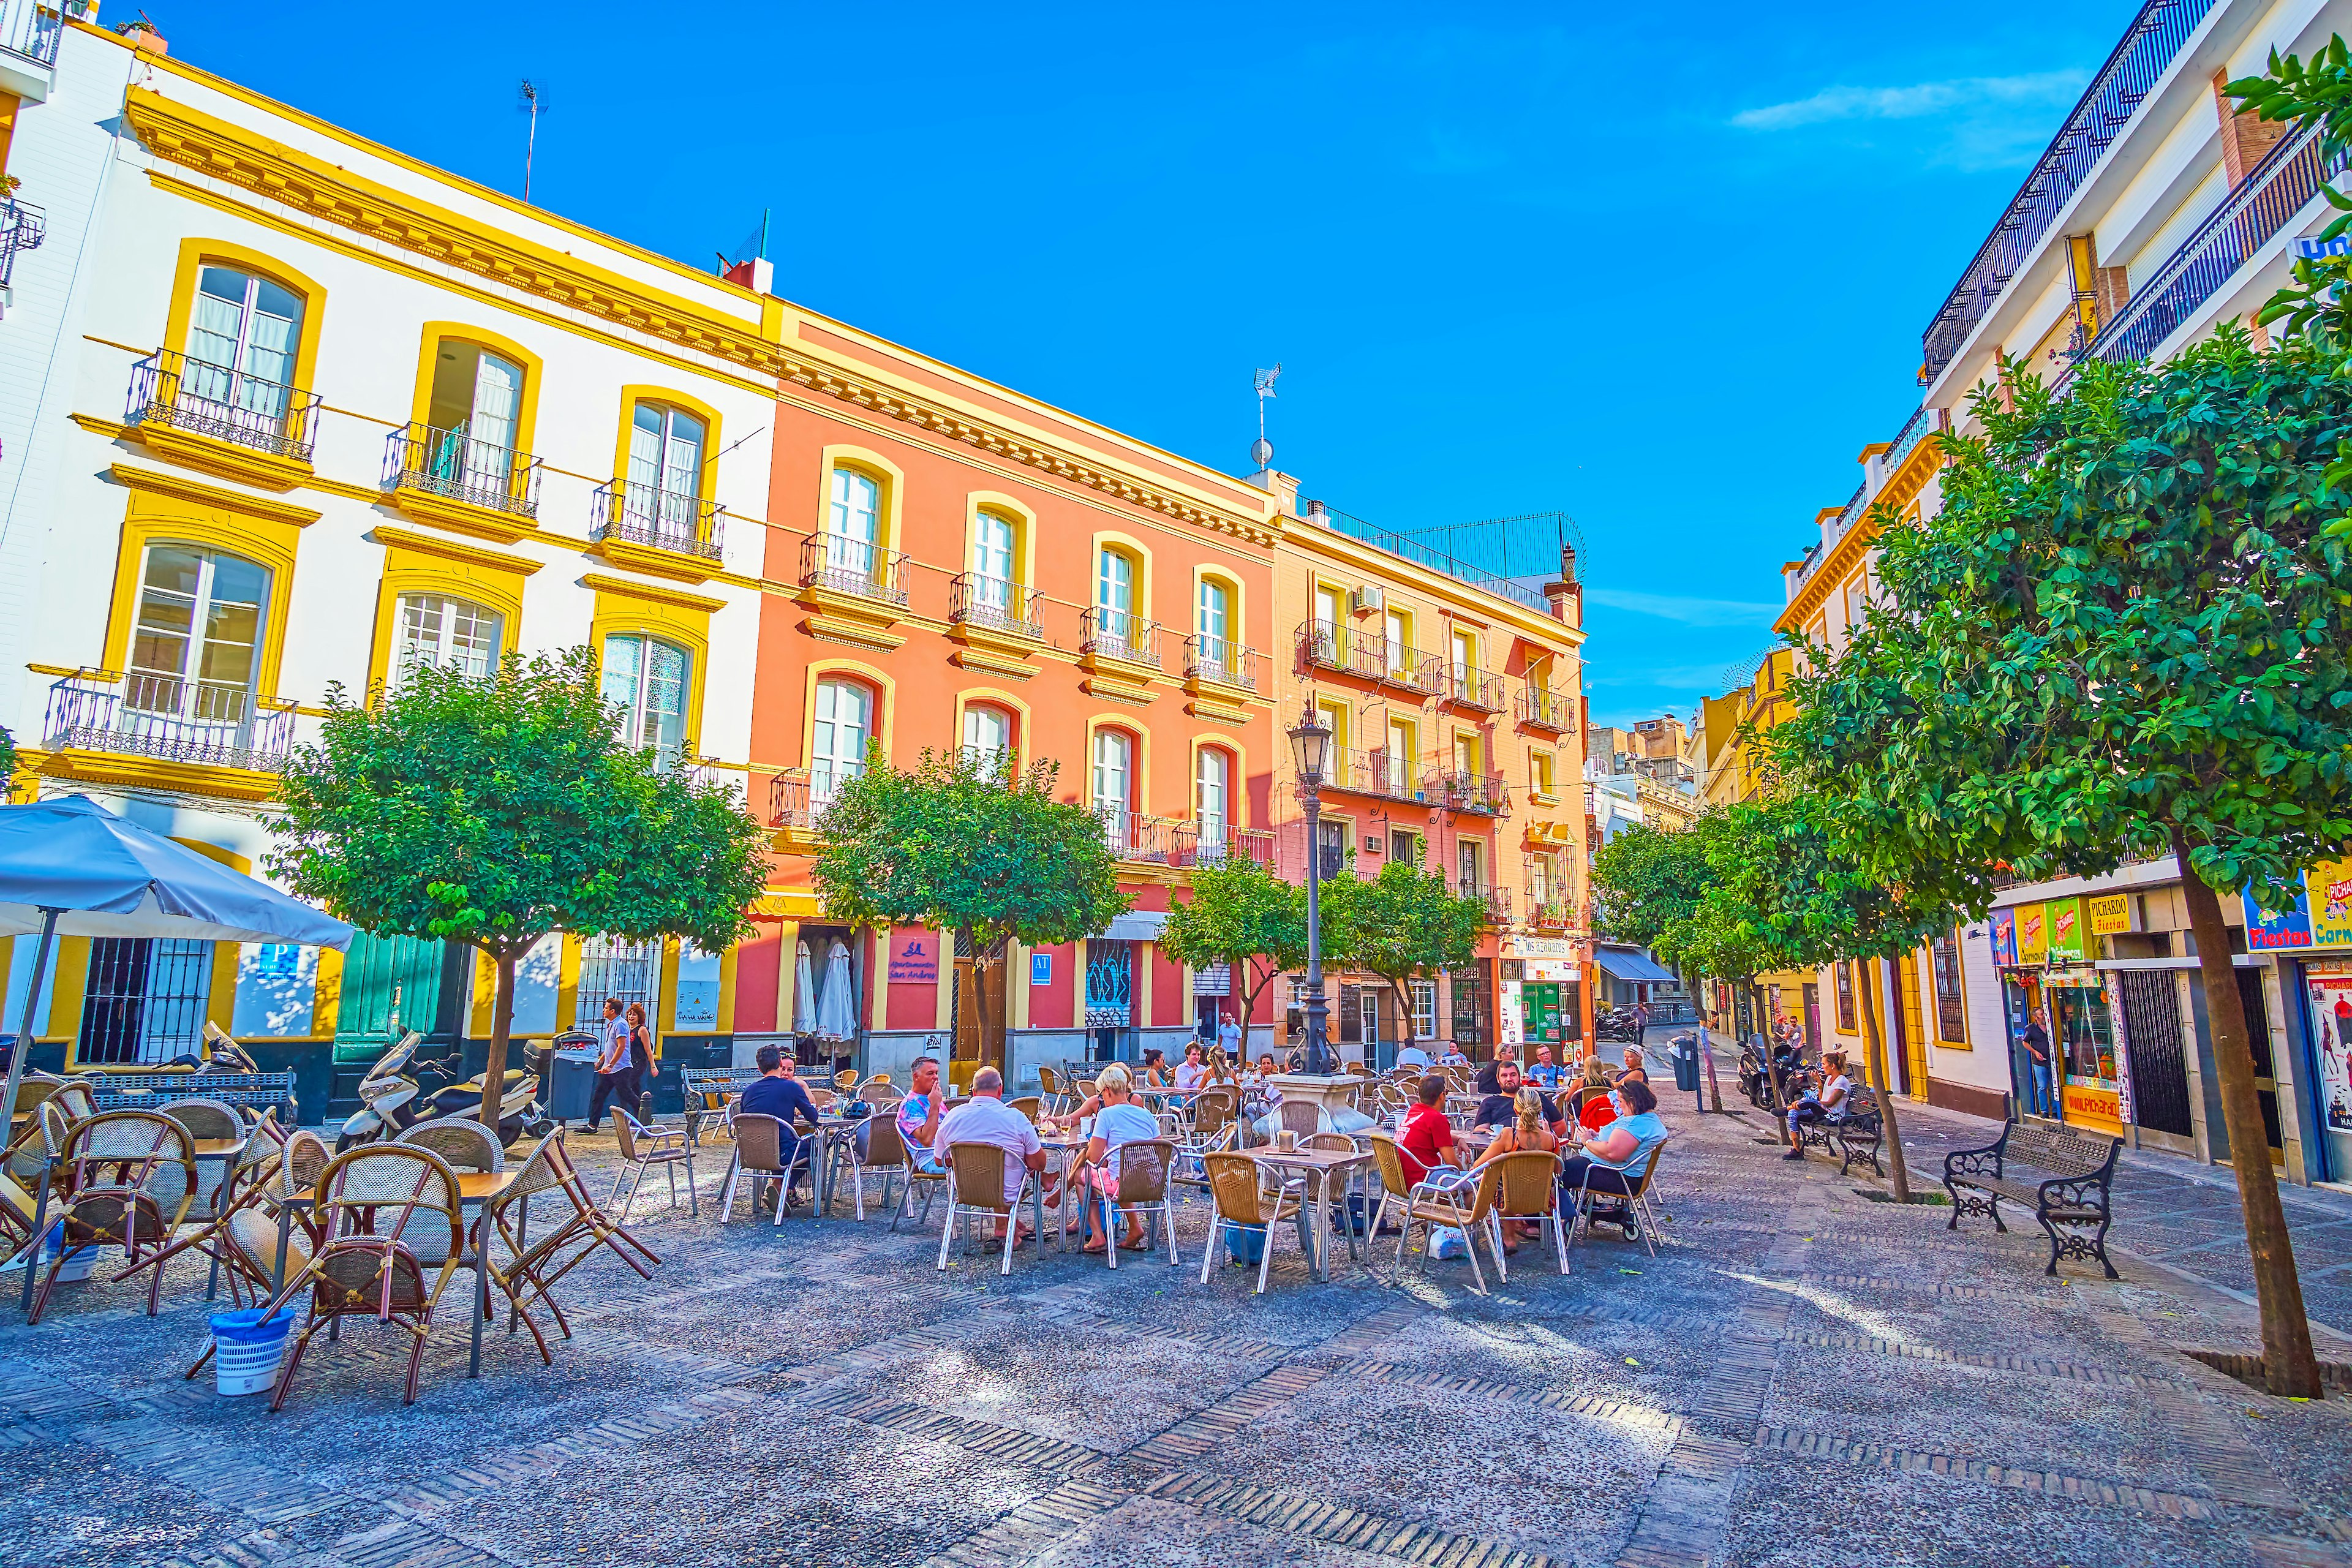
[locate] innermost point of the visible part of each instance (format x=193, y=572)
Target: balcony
x=668, y=532
x=995, y=605
x=798, y=797
x=29, y=31
x=23, y=227
x=1223, y=844
x=1542, y=709
x=1545, y=912
x=161, y=726
x=1497, y=900
x=1325, y=644
x=1379, y=773
x=447, y=476
x=1467, y=686
x=1139, y=838
x=1117, y=634
x=221, y=421
x=1221, y=661
x=1487, y=795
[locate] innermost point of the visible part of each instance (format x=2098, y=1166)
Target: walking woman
x=641, y=1058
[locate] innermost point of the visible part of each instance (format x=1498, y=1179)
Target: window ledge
x=221, y=459
x=462, y=517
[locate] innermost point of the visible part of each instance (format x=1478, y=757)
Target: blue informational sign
x=1041, y=969
x=2267, y=930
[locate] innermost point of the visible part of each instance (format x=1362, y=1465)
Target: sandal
x=1134, y=1243
x=1095, y=1248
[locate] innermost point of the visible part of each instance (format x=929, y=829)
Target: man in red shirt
x=1428, y=1139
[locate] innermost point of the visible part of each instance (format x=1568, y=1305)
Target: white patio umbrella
x=71, y=867
x=837, y=1011
x=804, y=993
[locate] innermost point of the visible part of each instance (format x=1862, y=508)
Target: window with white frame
x=853, y=521
x=196, y=648
x=645, y=685
x=664, y=493
x=1114, y=595
x=241, y=342
x=838, y=737
x=437, y=632
x=1214, y=622
x=988, y=736
x=1211, y=796
x=992, y=560
x=1113, y=779
x=1424, y=1009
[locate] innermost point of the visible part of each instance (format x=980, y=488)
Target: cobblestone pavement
x=1801, y=1376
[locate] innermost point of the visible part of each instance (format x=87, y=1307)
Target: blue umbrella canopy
x=108, y=876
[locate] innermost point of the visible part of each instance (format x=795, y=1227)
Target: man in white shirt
x=1454, y=1056
x=1412, y=1056
x=986, y=1119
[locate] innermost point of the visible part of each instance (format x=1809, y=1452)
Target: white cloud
x=1920, y=100
x=1690, y=612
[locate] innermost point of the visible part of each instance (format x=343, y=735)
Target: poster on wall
x=2065, y=932
x=2329, y=1001
x=2033, y=934
x=2004, y=939
x=2268, y=931
x=2328, y=897
x=2110, y=913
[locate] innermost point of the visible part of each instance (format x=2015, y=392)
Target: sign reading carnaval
x=2032, y=934
x=2328, y=899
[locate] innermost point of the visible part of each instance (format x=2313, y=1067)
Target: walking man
x=2036, y=1039
x=616, y=1067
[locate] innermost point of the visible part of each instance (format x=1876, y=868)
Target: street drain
x=1920, y=1199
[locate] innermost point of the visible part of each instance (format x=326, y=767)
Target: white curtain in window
x=446, y=633
x=665, y=479
x=1113, y=755
x=241, y=341
x=837, y=738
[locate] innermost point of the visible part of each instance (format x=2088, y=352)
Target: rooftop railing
x=170, y=389
x=446, y=461
x=1436, y=560
x=2147, y=49
x=664, y=519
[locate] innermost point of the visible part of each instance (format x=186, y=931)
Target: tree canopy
x=493, y=809
x=1401, y=923
x=1242, y=915
x=964, y=843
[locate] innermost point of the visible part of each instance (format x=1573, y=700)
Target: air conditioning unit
x=1367, y=599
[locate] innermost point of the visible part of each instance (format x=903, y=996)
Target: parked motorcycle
x=387, y=1098
x=1617, y=1024
x=223, y=1054
x=519, y=1109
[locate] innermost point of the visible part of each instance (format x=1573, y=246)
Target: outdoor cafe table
x=203, y=1150
x=1329, y=1166
x=478, y=1188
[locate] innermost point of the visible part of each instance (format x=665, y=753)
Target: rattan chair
x=846, y=1080
x=1246, y=1196
x=1468, y=1206
x=534, y=1267
x=1049, y=1089
x=643, y=1148
x=884, y=1155
x=975, y=1186
x=127, y=1180
x=1146, y=1168
x=395, y=1234
x=463, y=1143
x=759, y=1155
x=1299, y=1116
x=244, y=1185
x=1637, y=1198
x=1029, y=1105
x=1530, y=1190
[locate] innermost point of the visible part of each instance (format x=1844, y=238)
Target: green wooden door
x=391, y=984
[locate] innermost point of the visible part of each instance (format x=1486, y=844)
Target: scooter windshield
x=392, y=1060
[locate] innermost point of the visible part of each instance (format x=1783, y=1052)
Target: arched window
x=988, y=736
x=1213, y=802
x=474, y=411
x=838, y=736
x=1212, y=627
x=853, y=521
x=1114, y=595
x=241, y=341
x=664, y=491
x=442, y=633
x=195, y=650
x=645, y=685
x=1114, y=779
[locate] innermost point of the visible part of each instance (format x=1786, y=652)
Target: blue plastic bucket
x=1245, y=1244
x=246, y=1351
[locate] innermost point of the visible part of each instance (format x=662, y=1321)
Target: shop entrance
x=2258, y=1037
x=2160, y=1061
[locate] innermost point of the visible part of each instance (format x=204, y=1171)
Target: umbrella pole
x=24, y=1028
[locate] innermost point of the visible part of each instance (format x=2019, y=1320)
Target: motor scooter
x=387, y=1098
x=519, y=1109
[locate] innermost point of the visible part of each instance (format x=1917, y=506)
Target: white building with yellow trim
x=281, y=408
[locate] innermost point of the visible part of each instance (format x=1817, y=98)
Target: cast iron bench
x=702, y=1082
x=1858, y=1137
x=2075, y=1198
x=147, y=1090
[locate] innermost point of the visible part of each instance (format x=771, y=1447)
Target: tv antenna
x=1262, y=449
x=533, y=102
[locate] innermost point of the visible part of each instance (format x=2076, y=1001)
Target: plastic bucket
x=246, y=1351
x=1245, y=1245
x=77, y=1268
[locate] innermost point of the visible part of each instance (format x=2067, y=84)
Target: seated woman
x=1219, y=1073
x=1155, y=1070
x=1525, y=1135
x=1634, y=1067
x=1832, y=1102
x=1598, y=1111
x=1426, y=1144
x=1612, y=1161
x=1121, y=1121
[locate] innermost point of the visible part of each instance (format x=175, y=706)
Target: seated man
x=1425, y=1148
x=919, y=1113
x=1412, y=1056
x=1833, y=1102
x=986, y=1119
x=1545, y=1074
x=1500, y=1108
x=1612, y=1161
x=777, y=1093
x=1454, y=1056
x=1489, y=1082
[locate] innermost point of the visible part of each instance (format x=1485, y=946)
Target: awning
x=1632, y=966
x=1135, y=925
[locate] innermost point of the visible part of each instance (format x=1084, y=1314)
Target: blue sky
x=1666, y=272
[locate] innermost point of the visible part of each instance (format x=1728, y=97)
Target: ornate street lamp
x=1310, y=751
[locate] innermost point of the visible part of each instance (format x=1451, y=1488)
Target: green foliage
x=2130, y=619
x=959, y=843
x=493, y=809
x=7, y=757
x=1648, y=881
x=1401, y=923
x=1241, y=915
x=2292, y=92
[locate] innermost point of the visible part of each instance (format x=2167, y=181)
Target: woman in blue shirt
x=1611, y=1161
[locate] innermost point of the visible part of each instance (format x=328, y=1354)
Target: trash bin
x=573, y=1081
x=1685, y=1059
x=246, y=1351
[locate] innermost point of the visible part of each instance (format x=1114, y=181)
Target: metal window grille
x=1952, y=1025
x=144, y=1000
x=616, y=967
x=1111, y=977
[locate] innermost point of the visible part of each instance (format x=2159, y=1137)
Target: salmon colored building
x=952, y=564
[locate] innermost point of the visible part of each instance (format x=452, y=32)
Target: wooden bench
x=2072, y=1201
x=701, y=1086
x=1858, y=1137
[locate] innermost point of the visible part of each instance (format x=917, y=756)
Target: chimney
x=1565, y=595
x=758, y=274
x=1281, y=486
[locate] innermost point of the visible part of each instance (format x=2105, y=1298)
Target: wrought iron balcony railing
x=23, y=227
x=449, y=462
x=798, y=797
x=169, y=716
x=1136, y=837
x=1221, y=661
x=1328, y=645
x=1119, y=634
x=1547, y=910
x=1391, y=775
x=170, y=390
x=664, y=519
x=30, y=29
x=1467, y=686
x=1496, y=900
x=844, y=564
x=1223, y=844
x=1542, y=709
x=1487, y=794
x=976, y=599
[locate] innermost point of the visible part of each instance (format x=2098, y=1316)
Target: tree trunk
x=1779, y=1092
x=2289, y=1366
x=979, y=1006
x=494, y=1070
x=1873, y=1059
